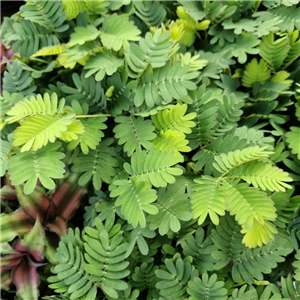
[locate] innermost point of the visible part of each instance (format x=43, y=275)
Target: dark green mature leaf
x=173, y=206
x=160, y=86
x=155, y=167
x=44, y=164
x=134, y=133
x=99, y=165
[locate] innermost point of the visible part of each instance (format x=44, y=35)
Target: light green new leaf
x=134, y=133
x=172, y=141
x=174, y=119
x=154, y=167
x=102, y=63
x=117, y=30
x=82, y=35
x=43, y=164
x=248, y=204
x=226, y=162
x=263, y=176
x=135, y=197
x=92, y=134
x=207, y=199
x=36, y=132
x=36, y=105
x=256, y=72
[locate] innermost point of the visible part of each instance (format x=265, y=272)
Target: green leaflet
x=117, y=30
x=82, y=35
x=48, y=14
x=102, y=63
x=207, y=287
x=160, y=86
x=44, y=164
x=177, y=271
x=99, y=165
x=154, y=167
x=105, y=262
x=39, y=105
x=153, y=50
x=207, y=199
x=151, y=12
x=70, y=276
x=134, y=133
x=35, y=132
x=292, y=138
x=171, y=209
x=17, y=81
x=255, y=72
x=174, y=119
x=135, y=198
x=5, y=148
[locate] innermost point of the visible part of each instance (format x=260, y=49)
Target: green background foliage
x=181, y=121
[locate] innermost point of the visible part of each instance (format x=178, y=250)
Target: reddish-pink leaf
x=59, y=226
x=15, y=224
x=26, y=280
x=34, y=204
x=11, y=260
x=67, y=198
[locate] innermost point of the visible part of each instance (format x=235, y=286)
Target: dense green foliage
x=181, y=121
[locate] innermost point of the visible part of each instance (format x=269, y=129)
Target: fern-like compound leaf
x=253, y=263
x=15, y=80
x=174, y=119
x=263, y=176
x=162, y=85
x=200, y=249
x=43, y=164
x=274, y=51
x=134, y=133
x=226, y=162
x=256, y=72
x=70, y=276
x=92, y=135
x=207, y=199
x=206, y=288
x=48, y=14
x=5, y=148
x=206, y=116
x=172, y=141
x=296, y=264
x=151, y=12
x=173, y=206
x=229, y=112
x=82, y=35
x=99, y=165
x=154, y=167
x=102, y=63
x=248, y=204
x=174, y=280
x=117, y=30
x=292, y=138
x=153, y=49
x=135, y=197
x=228, y=239
x=25, y=32
x=73, y=8
x=37, y=131
x=36, y=105
x=106, y=262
